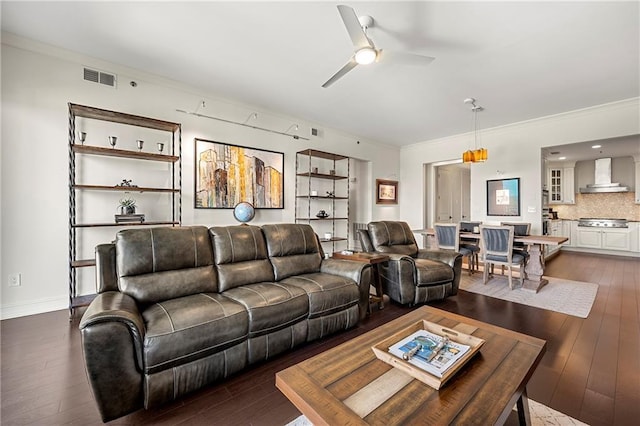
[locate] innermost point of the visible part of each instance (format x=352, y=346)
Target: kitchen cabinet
x=606, y=239
x=561, y=184
x=91, y=188
x=555, y=230
x=322, y=186
x=634, y=230
x=567, y=231
x=637, y=180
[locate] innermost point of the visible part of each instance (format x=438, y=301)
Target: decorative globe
x=244, y=212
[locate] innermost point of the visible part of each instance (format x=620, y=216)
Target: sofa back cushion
x=240, y=255
x=161, y=263
x=293, y=249
x=392, y=237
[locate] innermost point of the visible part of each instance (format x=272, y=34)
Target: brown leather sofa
x=179, y=308
x=412, y=275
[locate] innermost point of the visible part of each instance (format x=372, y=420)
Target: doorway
x=452, y=193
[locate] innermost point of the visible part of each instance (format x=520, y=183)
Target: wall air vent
x=100, y=77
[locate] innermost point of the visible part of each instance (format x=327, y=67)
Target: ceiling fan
x=365, y=51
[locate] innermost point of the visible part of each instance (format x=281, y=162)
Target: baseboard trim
x=33, y=307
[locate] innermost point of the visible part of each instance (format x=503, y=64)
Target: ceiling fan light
x=366, y=56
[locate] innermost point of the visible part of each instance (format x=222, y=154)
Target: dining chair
x=496, y=245
x=520, y=229
x=448, y=238
x=471, y=243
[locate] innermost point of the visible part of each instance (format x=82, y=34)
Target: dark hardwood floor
x=591, y=370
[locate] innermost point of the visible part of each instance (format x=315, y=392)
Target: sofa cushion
x=188, y=328
x=327, y=293
x=240, y=255
x=392, y=237
x=293, y=249
x=156, y=264
x=431, y=272
x=271, y=306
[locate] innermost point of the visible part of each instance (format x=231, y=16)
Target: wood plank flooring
x=591, y=370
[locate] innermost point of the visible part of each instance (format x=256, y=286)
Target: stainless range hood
x=603, y=179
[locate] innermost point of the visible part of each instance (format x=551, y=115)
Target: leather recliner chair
x=412, y=275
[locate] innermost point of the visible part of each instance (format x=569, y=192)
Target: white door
x=465, y=191
x=444, y=210
x=453, y=193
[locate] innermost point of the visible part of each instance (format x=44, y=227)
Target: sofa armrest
x=397, y=257
x=446, y=256
x=112, y=332
x=361, y=273
x=451, y=258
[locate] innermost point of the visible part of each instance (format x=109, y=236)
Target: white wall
x=37, y=83
x=514, y=151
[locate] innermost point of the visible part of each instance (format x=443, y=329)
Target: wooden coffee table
x=349, y=385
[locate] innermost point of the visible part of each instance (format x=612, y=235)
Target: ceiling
x=591, y=150
x=520, y=60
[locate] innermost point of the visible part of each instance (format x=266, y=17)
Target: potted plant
x=127, y=206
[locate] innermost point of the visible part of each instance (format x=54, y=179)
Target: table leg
x=535, y=269
x=379, y=297
x=524, y=417
x=379, y=292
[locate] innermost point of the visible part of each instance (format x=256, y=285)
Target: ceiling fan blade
x=404, y=58
x=350, y=19
x=348, y=67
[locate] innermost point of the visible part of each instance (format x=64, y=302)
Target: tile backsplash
x=616, y=205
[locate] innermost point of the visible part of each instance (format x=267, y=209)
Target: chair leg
x=510, y=277
x=485, y=273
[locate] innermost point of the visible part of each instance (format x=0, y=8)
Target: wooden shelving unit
x=312, y=170
x=173, y=157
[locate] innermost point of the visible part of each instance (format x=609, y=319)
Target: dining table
x=535, y=265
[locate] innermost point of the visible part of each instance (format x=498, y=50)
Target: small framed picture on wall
x=386, y=191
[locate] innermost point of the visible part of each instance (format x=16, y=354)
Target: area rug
x=541, y=415
x=564, y=296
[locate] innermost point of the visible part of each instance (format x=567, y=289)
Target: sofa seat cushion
x=327, y=293
x=430, y=272
x=182, y=330
x=271, y=306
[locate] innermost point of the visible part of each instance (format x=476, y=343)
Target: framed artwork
x=226, y=175
x=386, y=191
x=503, y=197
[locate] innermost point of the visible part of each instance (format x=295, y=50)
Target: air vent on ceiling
x=100, y=77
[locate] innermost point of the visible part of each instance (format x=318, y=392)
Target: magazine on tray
x=429, y=351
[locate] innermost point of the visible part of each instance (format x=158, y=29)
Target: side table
x=372, y=259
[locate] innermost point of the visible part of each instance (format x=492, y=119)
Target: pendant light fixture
x=477, y=155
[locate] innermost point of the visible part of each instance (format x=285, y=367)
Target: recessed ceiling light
x=596, y=146
x=562, y=158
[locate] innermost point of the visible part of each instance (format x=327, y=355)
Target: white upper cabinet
x=561, y=183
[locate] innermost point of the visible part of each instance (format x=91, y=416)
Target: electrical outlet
x=15, y=280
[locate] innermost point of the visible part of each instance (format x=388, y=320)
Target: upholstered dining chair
x=496, y=245
x=520, y=229
x=471, y=243
x=448, y=238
